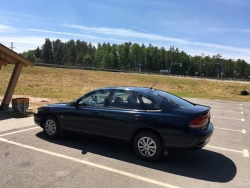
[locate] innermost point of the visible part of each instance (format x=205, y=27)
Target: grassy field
x=67, y=84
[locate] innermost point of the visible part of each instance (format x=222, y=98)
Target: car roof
x=128, y=88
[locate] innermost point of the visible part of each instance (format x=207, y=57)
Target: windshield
x=173, y=99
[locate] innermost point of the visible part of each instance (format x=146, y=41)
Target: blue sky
x=209, y=27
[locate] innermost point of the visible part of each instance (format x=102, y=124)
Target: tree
x=135, y=55
x=47, y=52
x=38, y=52
x=72, y=52
x=162, y=58
x=129, y=55
x=57, y=52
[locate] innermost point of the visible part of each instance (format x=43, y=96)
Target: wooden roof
x=9, y=56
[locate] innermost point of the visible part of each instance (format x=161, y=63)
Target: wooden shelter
x=9, y=56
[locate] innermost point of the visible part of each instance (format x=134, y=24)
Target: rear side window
x=173, y=99
x=149, y=104
x=125, y=100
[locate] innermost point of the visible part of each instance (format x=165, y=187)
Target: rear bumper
x=191, y=139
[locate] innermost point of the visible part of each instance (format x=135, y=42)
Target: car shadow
x=5, y=115
x=201, y=164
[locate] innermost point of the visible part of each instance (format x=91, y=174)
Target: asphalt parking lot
x=29, y=159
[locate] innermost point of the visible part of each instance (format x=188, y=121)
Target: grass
x=68, y=84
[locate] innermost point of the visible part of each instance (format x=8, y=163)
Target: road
x=29, y=159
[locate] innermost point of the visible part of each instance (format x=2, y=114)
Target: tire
x=196, y=148
x=147, y=146
x=51, y=127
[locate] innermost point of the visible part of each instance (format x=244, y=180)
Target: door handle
x=136, y=116
x=96, y=113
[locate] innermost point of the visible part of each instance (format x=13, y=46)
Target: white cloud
x=227, y=30
x=123, y=35
x=151, y=37
x=6, y=29
x=140, y=37
x=225, y=54
x=127, y=33
x=244, y=30
x=235, y=2
x=22, y=44
x=74, y=34
x=26, y=40
x=221, y=47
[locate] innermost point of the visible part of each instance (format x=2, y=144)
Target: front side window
x=96, y=99
x=125, y=100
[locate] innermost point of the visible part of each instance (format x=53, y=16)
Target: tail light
x=200, y=121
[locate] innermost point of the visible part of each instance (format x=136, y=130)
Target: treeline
x=131, y=56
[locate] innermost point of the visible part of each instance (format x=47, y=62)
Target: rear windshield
x=173, y=99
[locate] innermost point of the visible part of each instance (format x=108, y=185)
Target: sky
x=197, y=27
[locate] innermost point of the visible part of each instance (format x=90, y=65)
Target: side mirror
x=76, y=104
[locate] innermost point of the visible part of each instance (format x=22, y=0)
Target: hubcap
x=147, y=146
x=50, y=127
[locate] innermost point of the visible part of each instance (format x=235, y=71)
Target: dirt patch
x=34, y=102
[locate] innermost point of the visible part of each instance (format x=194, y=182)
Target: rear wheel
x=196, y=148
x=147, y=146
x=51, y=127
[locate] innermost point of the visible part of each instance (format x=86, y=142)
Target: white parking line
x=216, y=103
x=19, y=131
x=227, y=106
x=228, y=118
x=91, y=164
x=229, y=111
x=242, y=130
x=244, y=152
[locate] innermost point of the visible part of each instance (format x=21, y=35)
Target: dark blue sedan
x=152, y=120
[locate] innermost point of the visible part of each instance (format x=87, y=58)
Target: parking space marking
x=228, y=118
x=19, y=131
x=229, y=111
x=242, y=130
x=91, y=164
x=244, y=152
x=217, y=103
x=227, y=106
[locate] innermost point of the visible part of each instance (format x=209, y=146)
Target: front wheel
x=51, y=127
x=147, y=146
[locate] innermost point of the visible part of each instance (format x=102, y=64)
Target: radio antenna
x=153, y=85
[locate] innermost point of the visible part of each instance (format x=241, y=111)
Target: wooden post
x=2, y=63
x=11, y=87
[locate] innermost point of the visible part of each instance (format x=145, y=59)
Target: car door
x=86, y=116
x=122, y=116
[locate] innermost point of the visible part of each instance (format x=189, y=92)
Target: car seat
x=132, y=101
x=118, y=102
